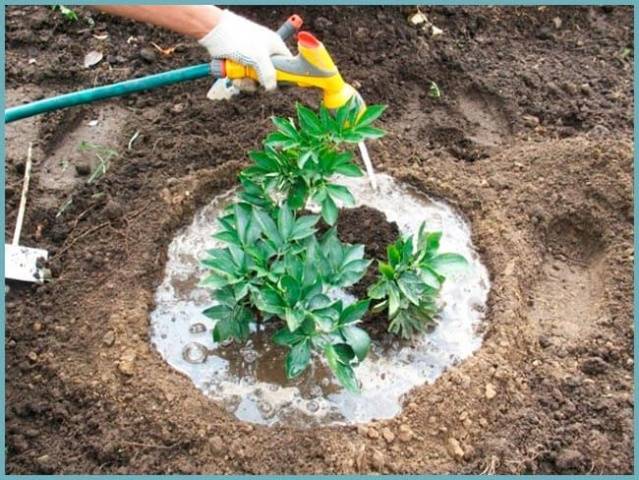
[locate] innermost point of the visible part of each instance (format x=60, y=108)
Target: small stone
x=37, y=326
x=569, y=88
x=178, y=108
x=544, y=341
x=530, y=120
x=322, y=23
x=126, y=365
x=454, y=448
x=594, y=366
x=109, y=338
x=33, y=356
x=483, y=422
x=31, y=433
x=405, y=433
x=585, y=89
x=83, y=169
x=557, y=22
x=378, y=460
x=491, y=392
x=148, y=55
x=112, y=210
x=388, y=435
x=373, y=434
x=569, y=459
x=553, y=88
x=44, y=464
x=362, y=430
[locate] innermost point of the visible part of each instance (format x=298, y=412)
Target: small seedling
x=275, y=267
x=103, y=154
x=434, y=91
x=66, y=12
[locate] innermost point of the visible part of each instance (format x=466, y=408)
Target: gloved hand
x=246, y=42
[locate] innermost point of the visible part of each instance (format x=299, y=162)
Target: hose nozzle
x=312, y=67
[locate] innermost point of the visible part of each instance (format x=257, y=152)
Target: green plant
x=434, y=91
x=274, y=265
x=409, y=283
x=104, y=156
x=68, y=13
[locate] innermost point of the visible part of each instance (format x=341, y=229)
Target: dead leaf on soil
x=164, y=51
x=92, y=58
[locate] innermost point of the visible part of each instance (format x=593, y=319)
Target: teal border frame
x=316, y=3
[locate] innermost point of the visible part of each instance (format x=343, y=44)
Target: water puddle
x=249, y=380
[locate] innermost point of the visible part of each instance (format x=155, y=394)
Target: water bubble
x=231, y=403
x=316, y=391
x=195, y=353
x=249, y=356
x=265, y=407
x=197, y=328
x=312, y=406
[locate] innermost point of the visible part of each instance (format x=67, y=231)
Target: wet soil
x=531, y=139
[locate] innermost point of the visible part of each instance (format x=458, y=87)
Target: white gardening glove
x=246, y=42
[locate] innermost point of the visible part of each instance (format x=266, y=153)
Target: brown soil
x=531, y=140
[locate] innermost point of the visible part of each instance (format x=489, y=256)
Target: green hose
x=107, y=91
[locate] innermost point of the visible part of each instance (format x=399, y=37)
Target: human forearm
x=191, y=20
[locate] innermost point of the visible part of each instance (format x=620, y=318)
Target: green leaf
x=349, y=169
x=268, y=226
x=394, y=255
x=298, y=359
x=372, y=113
x=285, y=338
x=329, y=211
x=264, y=161
x=228, y=237
x=304, y=227
x=339, y=192
x=309, y=121
x=214, y=281
x=370, y=132
x=393, y=300
x=378, y=290
x=447, y=263
x=294, y=318
x=386, y=270
x=354, y=312
x=242, y=219
x=358, y=340
x=343, y=372
x=291, y=289
x=297, y=194
x=411, y=286
x=285, y=222
x=285, y=126
x=217, y=312
x=223, y=330
x=319, y=301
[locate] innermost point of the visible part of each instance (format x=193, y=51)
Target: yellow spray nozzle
x=313, y=67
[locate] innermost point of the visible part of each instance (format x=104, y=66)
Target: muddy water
x=249, y=379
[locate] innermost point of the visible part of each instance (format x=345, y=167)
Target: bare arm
x=191, y=20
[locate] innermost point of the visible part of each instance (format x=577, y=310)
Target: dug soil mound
x=531, y=139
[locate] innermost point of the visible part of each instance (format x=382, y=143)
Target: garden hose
x=288, y=28
x=313, y=67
